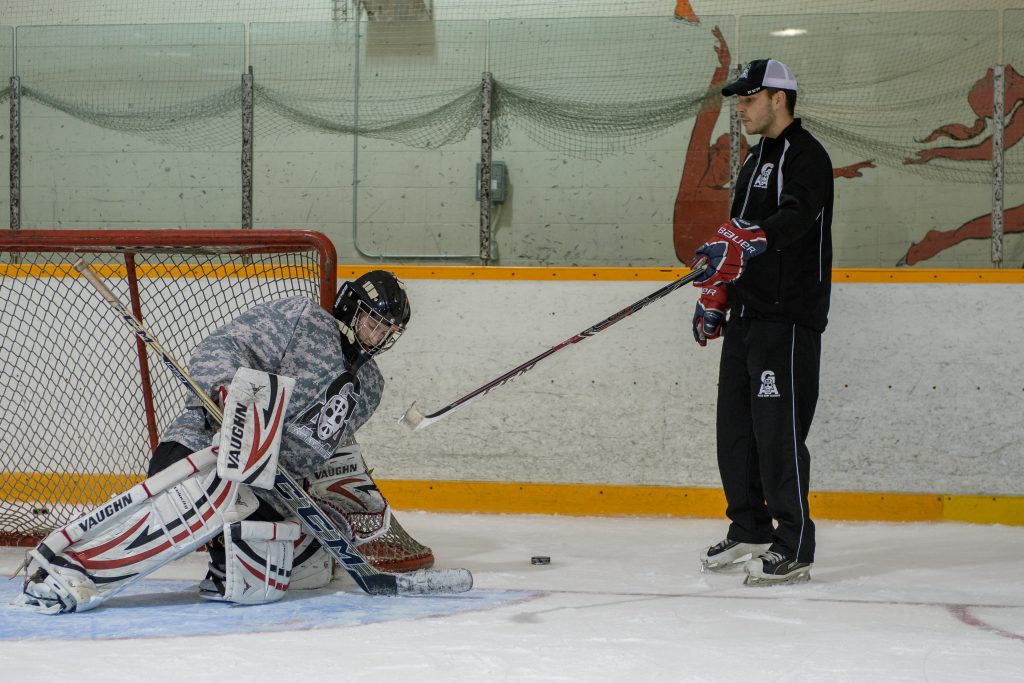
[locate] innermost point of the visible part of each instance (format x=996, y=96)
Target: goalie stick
x=416, y=420
x=292, y=496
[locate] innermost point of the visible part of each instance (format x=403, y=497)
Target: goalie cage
x=84, y=404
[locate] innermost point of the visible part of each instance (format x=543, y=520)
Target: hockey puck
x=540, y=559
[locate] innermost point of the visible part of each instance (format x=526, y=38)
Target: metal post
x=998, y=124
x=247, y=127
x=15, y=153
x=485, y=167
x=735, y=144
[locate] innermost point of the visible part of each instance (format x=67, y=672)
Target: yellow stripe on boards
x=571, y=499
x=598, y=500
x=989, y=276
x=163, y=270
x=984, y=509
x=348, y=272
x=855, y=275
x=555, y=499
x=78, y=488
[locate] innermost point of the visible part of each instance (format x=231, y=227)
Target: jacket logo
x=762, y=180
x=768, y=388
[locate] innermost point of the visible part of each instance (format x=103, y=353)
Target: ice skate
x=772, y=568
x=729, y=555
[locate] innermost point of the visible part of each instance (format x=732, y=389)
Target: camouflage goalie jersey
x=296, y=338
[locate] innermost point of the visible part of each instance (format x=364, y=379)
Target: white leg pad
x=258, y=562
x=65, y=575
x=313, y=567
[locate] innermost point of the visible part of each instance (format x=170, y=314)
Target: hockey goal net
x=82, y=402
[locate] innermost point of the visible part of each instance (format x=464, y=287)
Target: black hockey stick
x=293, y=497
x=416, y=420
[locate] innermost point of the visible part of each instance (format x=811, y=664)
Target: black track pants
x=767, y=391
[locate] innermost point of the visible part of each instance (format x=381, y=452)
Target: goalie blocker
x=80, y=566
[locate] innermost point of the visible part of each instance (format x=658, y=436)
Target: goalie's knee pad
x=257, y=563
x=313, y=566
x=345, y=489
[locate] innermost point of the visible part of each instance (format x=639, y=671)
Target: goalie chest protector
x=321, y=425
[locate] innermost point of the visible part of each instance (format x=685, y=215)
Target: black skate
x=729, y=555
x=772, y=568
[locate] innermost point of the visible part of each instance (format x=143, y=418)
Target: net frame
x=28, y=514
x=239, y=267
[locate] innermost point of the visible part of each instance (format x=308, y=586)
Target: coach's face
x=759, y=112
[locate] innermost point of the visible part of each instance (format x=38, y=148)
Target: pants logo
x=768, y=388
x=762, y=180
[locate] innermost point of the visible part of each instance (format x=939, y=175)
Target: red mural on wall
x=684, y=12
x=980, y=100
x=702, y=201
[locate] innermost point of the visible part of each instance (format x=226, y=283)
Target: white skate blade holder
x=802, y=575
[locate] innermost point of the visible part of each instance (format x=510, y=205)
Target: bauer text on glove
x=728, y=251
x=709, y=317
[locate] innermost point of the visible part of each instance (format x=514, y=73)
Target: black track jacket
x=785, y=187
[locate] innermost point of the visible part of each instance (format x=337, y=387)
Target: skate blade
x=731, y=568
x=798, y=577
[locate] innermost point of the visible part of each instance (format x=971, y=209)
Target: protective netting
x=1012, y=47
x=174, y=83
x=6, y=60
x=583, y=86
x=876, y=83
x=576, y=85
x=79, y=428
x=45, y=12
x=416, y=82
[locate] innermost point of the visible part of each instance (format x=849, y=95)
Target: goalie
x=203, y=485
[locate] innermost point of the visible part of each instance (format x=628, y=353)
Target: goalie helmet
x=372, y=312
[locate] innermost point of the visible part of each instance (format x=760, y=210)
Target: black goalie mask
x=372, y=312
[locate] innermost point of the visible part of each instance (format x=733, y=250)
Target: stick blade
x=413, y=418
x=434, y=582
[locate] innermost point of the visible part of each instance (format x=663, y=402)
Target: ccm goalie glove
x=709, y=318
x=728, y=251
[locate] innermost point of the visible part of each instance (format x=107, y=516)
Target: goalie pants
x=767, y=392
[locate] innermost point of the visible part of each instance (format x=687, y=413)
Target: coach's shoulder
x=810, y=147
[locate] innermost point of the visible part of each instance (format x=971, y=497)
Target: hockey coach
x=770, y=268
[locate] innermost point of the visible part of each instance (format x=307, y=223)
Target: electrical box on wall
x=499, y=181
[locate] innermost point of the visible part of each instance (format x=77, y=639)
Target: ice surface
x=622, y=600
